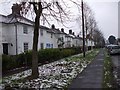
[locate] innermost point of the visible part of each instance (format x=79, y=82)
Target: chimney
x=53, y=26
x=16, y=8
x=62, y=30
x=70, y=31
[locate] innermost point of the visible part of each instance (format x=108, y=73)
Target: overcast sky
x=106, y=14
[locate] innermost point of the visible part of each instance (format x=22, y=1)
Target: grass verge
x=108, y=75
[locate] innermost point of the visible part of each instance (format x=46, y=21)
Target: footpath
x=92, y=76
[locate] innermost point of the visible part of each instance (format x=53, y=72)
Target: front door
x=5, y=48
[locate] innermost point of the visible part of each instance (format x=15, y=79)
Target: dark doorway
x=5, y=48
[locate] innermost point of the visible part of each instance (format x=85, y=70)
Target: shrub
x=20, y=59
x=8, y=62
x=48, y=55
x=66, y=52
x=28, y=58
x=44, y=56
x=78, y=50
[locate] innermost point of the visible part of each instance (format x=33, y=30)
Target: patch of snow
x=50, y=74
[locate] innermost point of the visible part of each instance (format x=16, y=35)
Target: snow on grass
x=53, y=75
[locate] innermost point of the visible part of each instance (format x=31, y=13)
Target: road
x=116, y=68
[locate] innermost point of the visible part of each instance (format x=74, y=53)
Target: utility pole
x=83, y=28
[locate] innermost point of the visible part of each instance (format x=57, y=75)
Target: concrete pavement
x=92, y=76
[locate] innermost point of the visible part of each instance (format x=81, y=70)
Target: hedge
x=44, y=56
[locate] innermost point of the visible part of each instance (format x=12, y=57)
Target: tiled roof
x=11, y=19
x=78, y=38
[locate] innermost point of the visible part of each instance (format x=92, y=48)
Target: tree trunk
x=83, y=28
x=91, y=40
x=35, y=72
x=38, y=11
x=86, y=34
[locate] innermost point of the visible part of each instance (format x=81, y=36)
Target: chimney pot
x=53, y=26
x=62, y=30
x=70, y=31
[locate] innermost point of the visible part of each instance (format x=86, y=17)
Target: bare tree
x=89, y=21
x=42, y=8
x=98, y=38
x=91, y=27
x=87, y=16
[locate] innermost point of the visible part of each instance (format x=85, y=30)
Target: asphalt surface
x=116, y=69
x=92, y=76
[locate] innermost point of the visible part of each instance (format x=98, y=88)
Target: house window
x=25, y=47
x=25, y=29
x=42, y=46
x=62, y=39
x=41, y=32
x=51, y=45
x=47, y=45
x=76, y=42
x=51, y=35
x=5, y=48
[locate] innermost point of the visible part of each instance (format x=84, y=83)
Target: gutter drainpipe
x=16, y=38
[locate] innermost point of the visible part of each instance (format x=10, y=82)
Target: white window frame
x=26, y=46
x=25, y=29
x=42, y=45
x=51, y=35
x=41, y=32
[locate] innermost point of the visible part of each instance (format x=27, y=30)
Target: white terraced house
x=17, y=36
